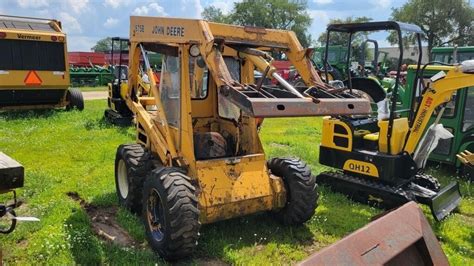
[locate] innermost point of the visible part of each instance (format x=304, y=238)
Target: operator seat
x=209, y=145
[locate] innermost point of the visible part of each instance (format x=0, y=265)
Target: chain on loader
x=381, y=161
x=198, y=158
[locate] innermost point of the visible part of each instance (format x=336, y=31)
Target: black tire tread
x=138, y=162
x=76, y=99
x=302, y=194
x=181, y=206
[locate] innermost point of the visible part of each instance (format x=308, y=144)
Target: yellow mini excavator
x=381, y=160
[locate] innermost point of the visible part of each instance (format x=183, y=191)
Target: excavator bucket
x=446, y=201
x=401, y=237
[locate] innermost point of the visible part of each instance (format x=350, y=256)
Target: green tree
x=105, y=45
x=444, y=22
x=212, y=13
x=276, y=14
x=337, y=38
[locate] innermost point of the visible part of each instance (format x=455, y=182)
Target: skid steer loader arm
x=401, y=237
x=212, y=40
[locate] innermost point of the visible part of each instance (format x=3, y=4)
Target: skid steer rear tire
x=132, y=164
x=170, y=213
x=75, y=99
x=301, y=190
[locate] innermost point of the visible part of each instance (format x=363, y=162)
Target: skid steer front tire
x=301, y=190
x=75, y=99
x=132, y=163
x=170, y=213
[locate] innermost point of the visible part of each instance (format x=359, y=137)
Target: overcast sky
x=86, y=21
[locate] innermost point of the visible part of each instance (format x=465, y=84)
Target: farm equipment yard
x=68, y=185
x=231, y=136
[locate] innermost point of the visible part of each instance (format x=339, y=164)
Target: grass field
x=74, y=152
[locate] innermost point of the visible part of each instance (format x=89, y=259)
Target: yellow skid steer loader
x=198, y=158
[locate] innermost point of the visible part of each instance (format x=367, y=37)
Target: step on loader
x=381, y=159
x=198, y=158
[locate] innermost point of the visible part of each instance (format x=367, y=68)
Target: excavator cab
x=381, y=159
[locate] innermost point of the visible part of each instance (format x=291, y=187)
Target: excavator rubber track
x=381, y=195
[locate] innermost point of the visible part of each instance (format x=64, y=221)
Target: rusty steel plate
x=401, y=237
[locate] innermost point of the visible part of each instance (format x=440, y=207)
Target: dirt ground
x=104, y=223
x=94, y=95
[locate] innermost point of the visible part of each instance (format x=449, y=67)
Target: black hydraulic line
x=325, y=63
x=120, y=64
x=348, y=61
x=417, y=78
x=393, y=98
x=425, y=66
x=112, y=53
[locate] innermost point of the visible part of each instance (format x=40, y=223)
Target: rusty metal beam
x=280, y=103
x=401, y=237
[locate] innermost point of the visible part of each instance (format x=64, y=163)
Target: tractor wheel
x=467, y=172
x=427, y=181
x=7, y=226
x=334, y=74
x=170, y=213
x=75, y=99
x=301, y=190
x=132, y=163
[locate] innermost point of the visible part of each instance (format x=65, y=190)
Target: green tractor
x=458, y=116
x=452, y=55
x=337, y=55
x=372, y=59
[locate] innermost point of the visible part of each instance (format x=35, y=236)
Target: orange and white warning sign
x=32, y=79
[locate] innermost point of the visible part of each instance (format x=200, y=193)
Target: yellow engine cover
x=399, y=134
x=336, y=134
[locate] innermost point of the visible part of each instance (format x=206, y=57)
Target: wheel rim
x=330, y=77
x=155, y=215
x=122, y=179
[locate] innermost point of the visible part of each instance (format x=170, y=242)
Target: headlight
x=194, y=50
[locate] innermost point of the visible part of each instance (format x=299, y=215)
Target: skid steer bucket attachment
x=445, y=201
x=401, y=237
